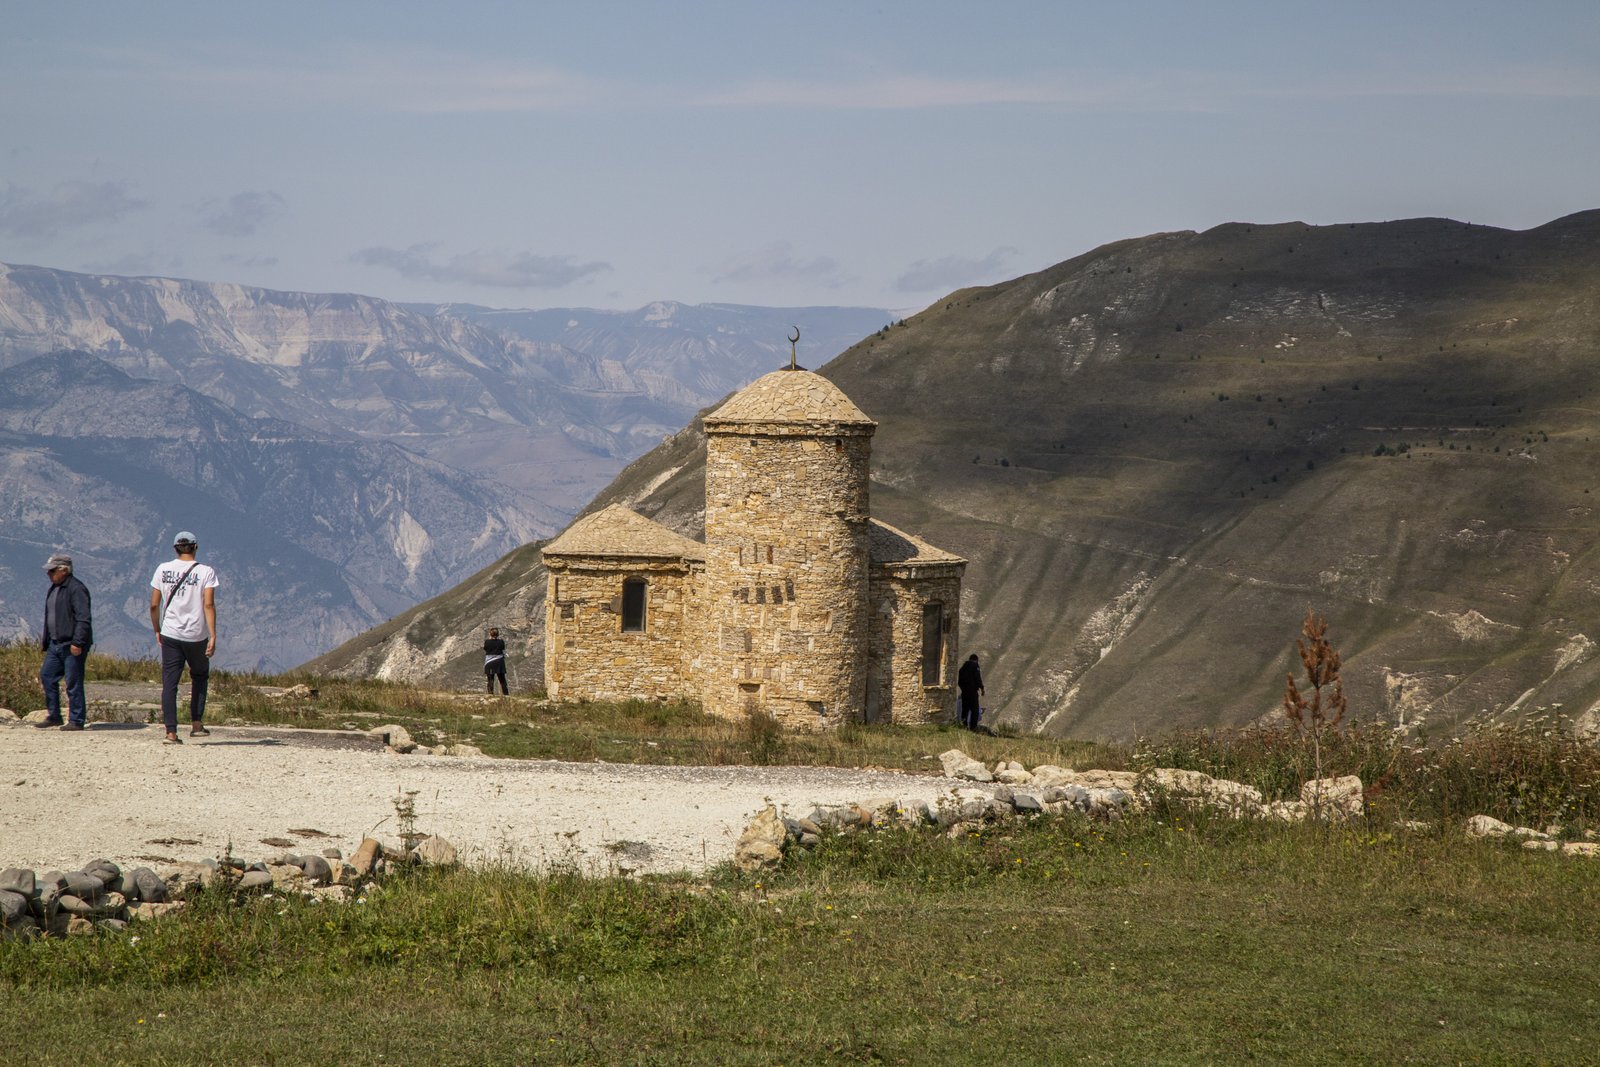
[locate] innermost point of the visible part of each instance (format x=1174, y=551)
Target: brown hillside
x=1158, y=454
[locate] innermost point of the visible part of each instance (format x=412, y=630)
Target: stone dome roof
x=619, y=531
x=790, y=396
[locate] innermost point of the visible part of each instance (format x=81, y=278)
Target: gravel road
x=115, y=791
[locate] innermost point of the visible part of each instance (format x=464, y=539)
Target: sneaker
x=48, y=724
x=72, y=726
x=199, y=731
x=172, y=739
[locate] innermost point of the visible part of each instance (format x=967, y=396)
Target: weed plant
x=1532, y=772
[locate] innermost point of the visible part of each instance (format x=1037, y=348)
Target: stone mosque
x=799, y=604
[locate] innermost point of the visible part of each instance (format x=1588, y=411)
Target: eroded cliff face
x=318, y=536
x=1157, y=455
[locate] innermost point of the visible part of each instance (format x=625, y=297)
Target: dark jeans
x=971, y=708
x=59, y=663
x=500, y=674
x=175, y=655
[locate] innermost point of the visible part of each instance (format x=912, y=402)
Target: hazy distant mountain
x=358, y=391
x=317, y=536
x=1157, y=455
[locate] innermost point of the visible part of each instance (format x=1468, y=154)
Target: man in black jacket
x=970, y=681
x=494, y=660
x=68, y=633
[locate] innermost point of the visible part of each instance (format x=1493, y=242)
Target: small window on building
x=933, y=643
x=761, y=594
x=777, y=594
x=633, y=606
x=567, y=611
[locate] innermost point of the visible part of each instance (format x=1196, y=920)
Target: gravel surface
x=116, y=791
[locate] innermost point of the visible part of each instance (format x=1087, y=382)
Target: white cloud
x=777, y=262
x=243, y=213
x=954, y=272
x=508, y=270
x=137, y=264
x=69, y=206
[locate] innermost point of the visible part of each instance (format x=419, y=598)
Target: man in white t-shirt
x=183, y=611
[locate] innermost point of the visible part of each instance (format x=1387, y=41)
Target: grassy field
x=1149, y=941
x=1176, y=937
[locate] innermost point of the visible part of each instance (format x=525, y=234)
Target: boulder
x=366, y=855
x=78, y=926
x=316, y=869
x=283, y=876
x=18, y=880
x=256, y=879
x=79, y=884
x=395, y=736
x=1485, y=826
x=336, y=894
x=434, y=851
x=761, y=844
x=1026, y=803
x=1334, y=799
x=1048, y=774
x=150, y=887
x=14, y=908
x=148, y=912
x=75, y=905
x=25, y=929
x=464, y=750
x=184, y=879
x=1235, y=798
x=957, y=764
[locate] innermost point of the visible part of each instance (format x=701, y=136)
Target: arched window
x=933, y=643
x=633, y=605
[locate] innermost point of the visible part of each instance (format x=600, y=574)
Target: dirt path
x=114, y=790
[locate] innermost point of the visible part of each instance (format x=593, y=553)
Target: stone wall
x=895, y=688
x=784, y=591
x=590, y=657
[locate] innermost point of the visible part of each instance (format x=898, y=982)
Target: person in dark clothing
x=970, y=682
x=68, y=633
x=494, y=661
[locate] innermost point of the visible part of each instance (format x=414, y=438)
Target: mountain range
x=342, y=456
x=1159, y=455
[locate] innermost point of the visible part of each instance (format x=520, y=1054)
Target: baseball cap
x=59, y=560
x=185, y=537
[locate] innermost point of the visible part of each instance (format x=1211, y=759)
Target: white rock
x=957, y=764
x=761, y=844
x=1335, y=799
x=394, y=735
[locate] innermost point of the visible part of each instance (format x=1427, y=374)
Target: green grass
x=1140, y=942
x=1174, y=937
x=635, y=731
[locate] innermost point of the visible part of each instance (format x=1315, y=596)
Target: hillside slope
x=1157, y=455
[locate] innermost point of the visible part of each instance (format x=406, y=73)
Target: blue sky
x=609, y=154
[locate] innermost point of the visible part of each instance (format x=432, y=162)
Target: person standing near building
x=68, y=633
x=494, y=661
x=183, y=611
x=970, y=681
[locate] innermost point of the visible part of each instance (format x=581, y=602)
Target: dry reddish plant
x=1325, y=708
